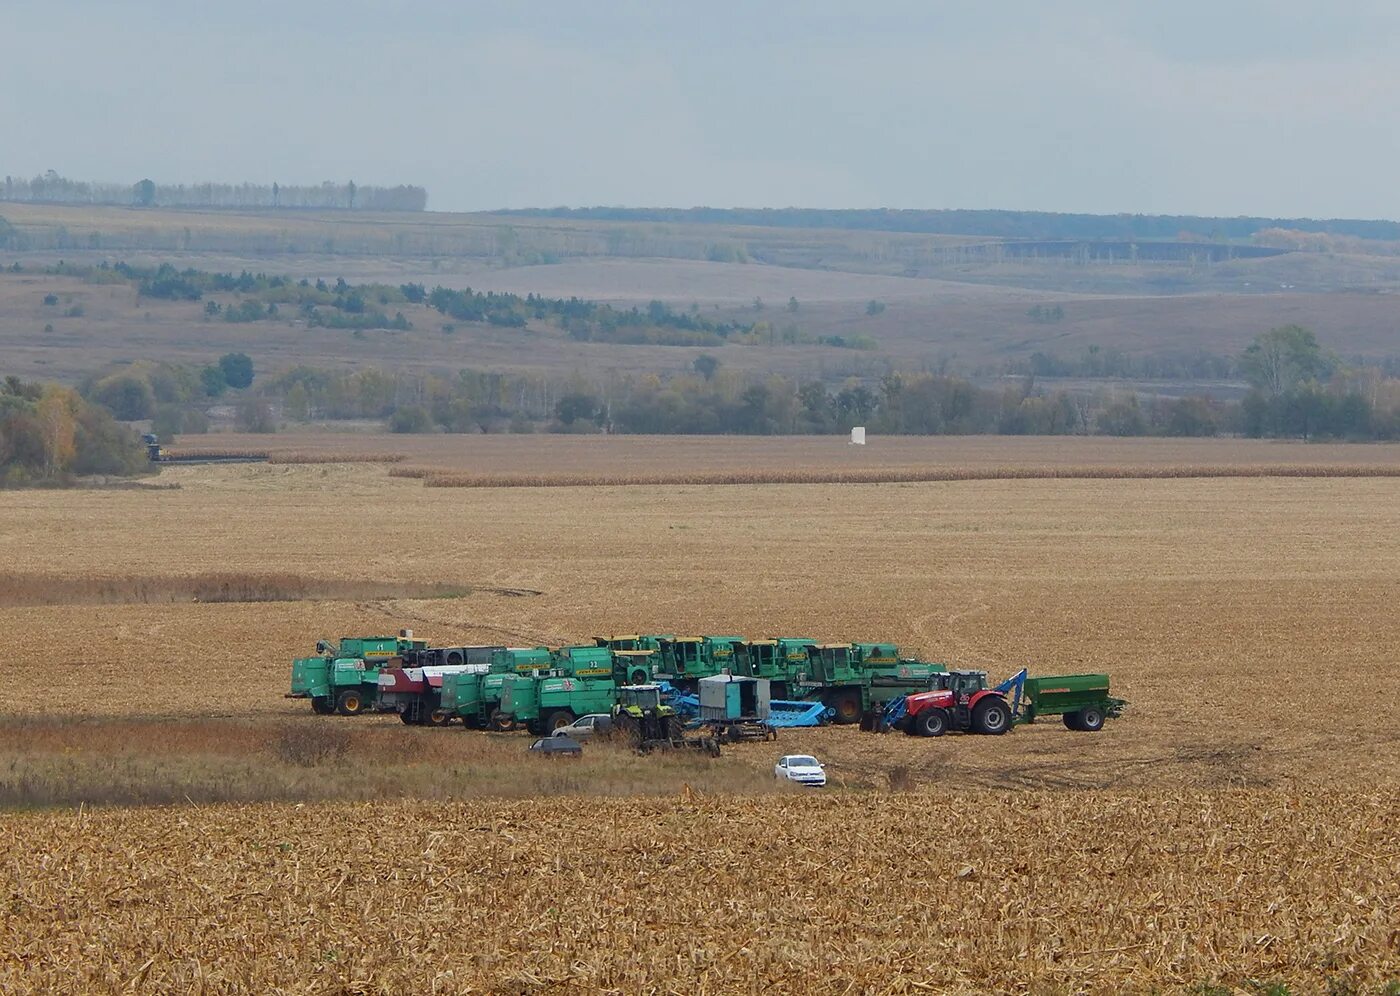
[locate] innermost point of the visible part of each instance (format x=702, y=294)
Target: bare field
x=977, y=893
x=1236, y=829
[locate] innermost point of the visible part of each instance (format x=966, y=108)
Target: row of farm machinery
x=674, y=691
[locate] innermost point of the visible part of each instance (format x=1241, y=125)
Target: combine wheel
x=639, y=677
x=847, y=706
x=501, y=722
x=408, y=718
x=557, y=720
x=349, y=703
x=991, y=717
x=322, y=706
x=1090, y=719
x=1071, y=720
x=931, y=723
x=438, y=717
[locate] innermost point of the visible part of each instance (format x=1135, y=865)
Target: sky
x=1231, y=107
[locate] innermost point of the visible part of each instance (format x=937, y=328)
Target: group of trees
x=51, y=188
x=172, y=395
x=48, y=433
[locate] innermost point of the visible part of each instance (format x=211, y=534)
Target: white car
x=801, y=768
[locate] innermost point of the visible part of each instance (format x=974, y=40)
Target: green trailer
x=581, y=682
x=476, y=697
x=344, y=678
x=1082, y=701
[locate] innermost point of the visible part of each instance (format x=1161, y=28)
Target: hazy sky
x=1223, y=107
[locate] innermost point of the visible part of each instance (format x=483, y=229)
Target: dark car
x=557, y=745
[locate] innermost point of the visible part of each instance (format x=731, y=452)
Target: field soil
x=1239, y=823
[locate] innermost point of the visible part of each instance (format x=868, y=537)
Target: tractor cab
x=963, y=684
x=639, y=698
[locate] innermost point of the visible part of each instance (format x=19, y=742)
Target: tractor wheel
x=1071, y=721
x=1091, y=719
x=847, y=706
x=931, y=723
x=322, y=706
x=349, y=703
x=991, y=717
x=557, y=720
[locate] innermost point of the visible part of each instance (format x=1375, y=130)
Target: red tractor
x=960, y=700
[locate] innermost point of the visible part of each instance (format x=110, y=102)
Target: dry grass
x=298, y=456
x=209, y=587
x=889, y=475
x=916, y=892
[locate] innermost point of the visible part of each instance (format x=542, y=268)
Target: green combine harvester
x=344, y=678
x=476, y=697
x=581, y=681
x=856, y=680
x=779, y=660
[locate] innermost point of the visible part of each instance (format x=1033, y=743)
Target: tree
x=57, y=428
x=576, y=406
x=237, y=369
x=706, y=365
x=127, y=397
x=1280, y=359
x=211, y=379
x=793, y=305
x=144, y=193
x=874, y=308
x=255, y=415
x=411, y=418
x=1123, y=417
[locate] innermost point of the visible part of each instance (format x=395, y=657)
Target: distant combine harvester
x=158, y=454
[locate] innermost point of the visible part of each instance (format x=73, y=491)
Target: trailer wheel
x=322, y=706
x=1072, y=721
x=991, y=717
x=349, y=703
x=1091, y=719
x=931, y=723
x=847, y=706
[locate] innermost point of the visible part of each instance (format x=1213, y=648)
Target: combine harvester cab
x=345, y=678
x=779, y=661
x=581, y=682
x=635, y=667
x=687, y=659
x=414, y=691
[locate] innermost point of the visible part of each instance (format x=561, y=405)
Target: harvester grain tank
x=344, y=678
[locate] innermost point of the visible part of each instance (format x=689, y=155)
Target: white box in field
x=858, y=436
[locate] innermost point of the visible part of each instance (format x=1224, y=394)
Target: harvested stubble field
x=1239, y=822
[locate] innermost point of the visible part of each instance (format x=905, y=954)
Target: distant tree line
x=51, y=188
x=997, y=223
x=49, y=433
x=1107, y=362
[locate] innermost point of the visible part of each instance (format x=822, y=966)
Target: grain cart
x=857, y=679
x=1080, y=700
x=344, y=678
x=476, y=697
x=959, y=700
x=780, y=661
x=650, y=724
x=736, y=708
x=687, y=659
x=415, y=692
x=581, y=682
